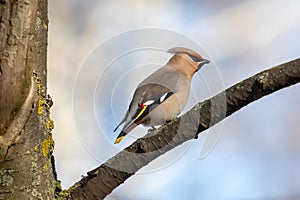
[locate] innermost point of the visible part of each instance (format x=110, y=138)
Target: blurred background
x=91, y=79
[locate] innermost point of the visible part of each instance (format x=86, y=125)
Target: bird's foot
x=150, y=130
x=168, y=121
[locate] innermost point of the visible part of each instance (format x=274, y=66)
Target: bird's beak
x=202, y=62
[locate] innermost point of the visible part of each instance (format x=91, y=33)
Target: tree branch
x=102, y=180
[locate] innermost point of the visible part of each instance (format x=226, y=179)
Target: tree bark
x=26, y=166
x=101, y=181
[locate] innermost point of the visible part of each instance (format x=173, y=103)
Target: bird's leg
x=166, y=122
x=151, y=129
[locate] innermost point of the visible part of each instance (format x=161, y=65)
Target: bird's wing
x=147, y=102
x=152, y=91
x=152, y=95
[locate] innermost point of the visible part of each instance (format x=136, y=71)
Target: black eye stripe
x=195, y=59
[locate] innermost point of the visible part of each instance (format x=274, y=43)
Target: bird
x=161, y=96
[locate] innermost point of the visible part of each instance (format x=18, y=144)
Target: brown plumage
x=177, y=50
x=163, y=94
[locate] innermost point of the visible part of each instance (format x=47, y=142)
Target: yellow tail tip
x=119, y=139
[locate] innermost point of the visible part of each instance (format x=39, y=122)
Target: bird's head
x=188, y=56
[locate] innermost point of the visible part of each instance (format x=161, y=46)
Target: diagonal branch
x=102, y=180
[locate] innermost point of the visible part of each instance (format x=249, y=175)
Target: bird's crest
x=176, y=50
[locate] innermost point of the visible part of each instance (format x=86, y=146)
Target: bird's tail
x=125, y=131
x=120, y=137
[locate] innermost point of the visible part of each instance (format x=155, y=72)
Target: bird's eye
x=195, y=59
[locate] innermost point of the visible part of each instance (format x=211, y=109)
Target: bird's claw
x=150, y=130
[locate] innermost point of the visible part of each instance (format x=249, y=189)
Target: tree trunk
x=26, y=166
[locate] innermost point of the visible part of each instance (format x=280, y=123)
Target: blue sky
x=257, y=154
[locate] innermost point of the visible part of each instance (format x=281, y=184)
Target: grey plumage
x=162, y=95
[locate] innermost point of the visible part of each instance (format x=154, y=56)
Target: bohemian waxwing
x=162, y=95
